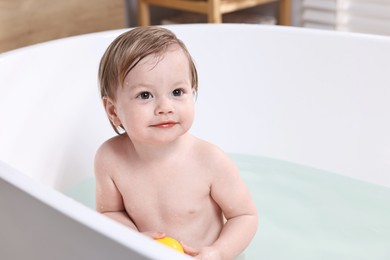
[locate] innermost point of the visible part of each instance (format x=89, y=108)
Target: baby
x=154, y=176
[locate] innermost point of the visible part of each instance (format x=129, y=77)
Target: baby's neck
x=162, y=152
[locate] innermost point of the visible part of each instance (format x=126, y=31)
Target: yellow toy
x=170, y=242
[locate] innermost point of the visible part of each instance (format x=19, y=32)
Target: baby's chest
x=168, y=199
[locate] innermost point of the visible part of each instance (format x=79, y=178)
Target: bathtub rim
x=85, y=216
x=266, y=27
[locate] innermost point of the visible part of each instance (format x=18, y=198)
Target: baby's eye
x=178, y=92
x=145, y=95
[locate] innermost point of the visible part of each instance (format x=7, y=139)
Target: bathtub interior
x=312, y=97
x=305, y=96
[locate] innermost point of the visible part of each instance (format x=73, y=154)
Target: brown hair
x=124, y=53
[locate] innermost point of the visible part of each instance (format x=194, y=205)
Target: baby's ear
x=195, y=94
x=109, y=106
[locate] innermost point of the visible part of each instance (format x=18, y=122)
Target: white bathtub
x=311, y=97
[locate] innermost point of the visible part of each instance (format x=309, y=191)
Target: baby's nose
x=164, y=106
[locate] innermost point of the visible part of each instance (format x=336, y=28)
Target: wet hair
x=129, y=48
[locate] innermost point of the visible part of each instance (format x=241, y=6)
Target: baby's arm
x=108, y=198
x=230, y=193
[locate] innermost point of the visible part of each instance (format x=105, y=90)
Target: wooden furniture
x=26, y=22
x=214, y=9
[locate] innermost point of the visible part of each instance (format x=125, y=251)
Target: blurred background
x=26, y=22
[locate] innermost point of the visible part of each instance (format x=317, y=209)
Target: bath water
x=305, y=213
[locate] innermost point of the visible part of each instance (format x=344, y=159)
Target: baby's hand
x=154, y=234
x=205, y=253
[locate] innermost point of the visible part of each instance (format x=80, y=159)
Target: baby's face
x=156, y=103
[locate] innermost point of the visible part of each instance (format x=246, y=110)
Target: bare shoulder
x=214, y=157
x=109, y=153
x=208, y=150
x=109, y=147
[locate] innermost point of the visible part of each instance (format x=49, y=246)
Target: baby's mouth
x=165, y=124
